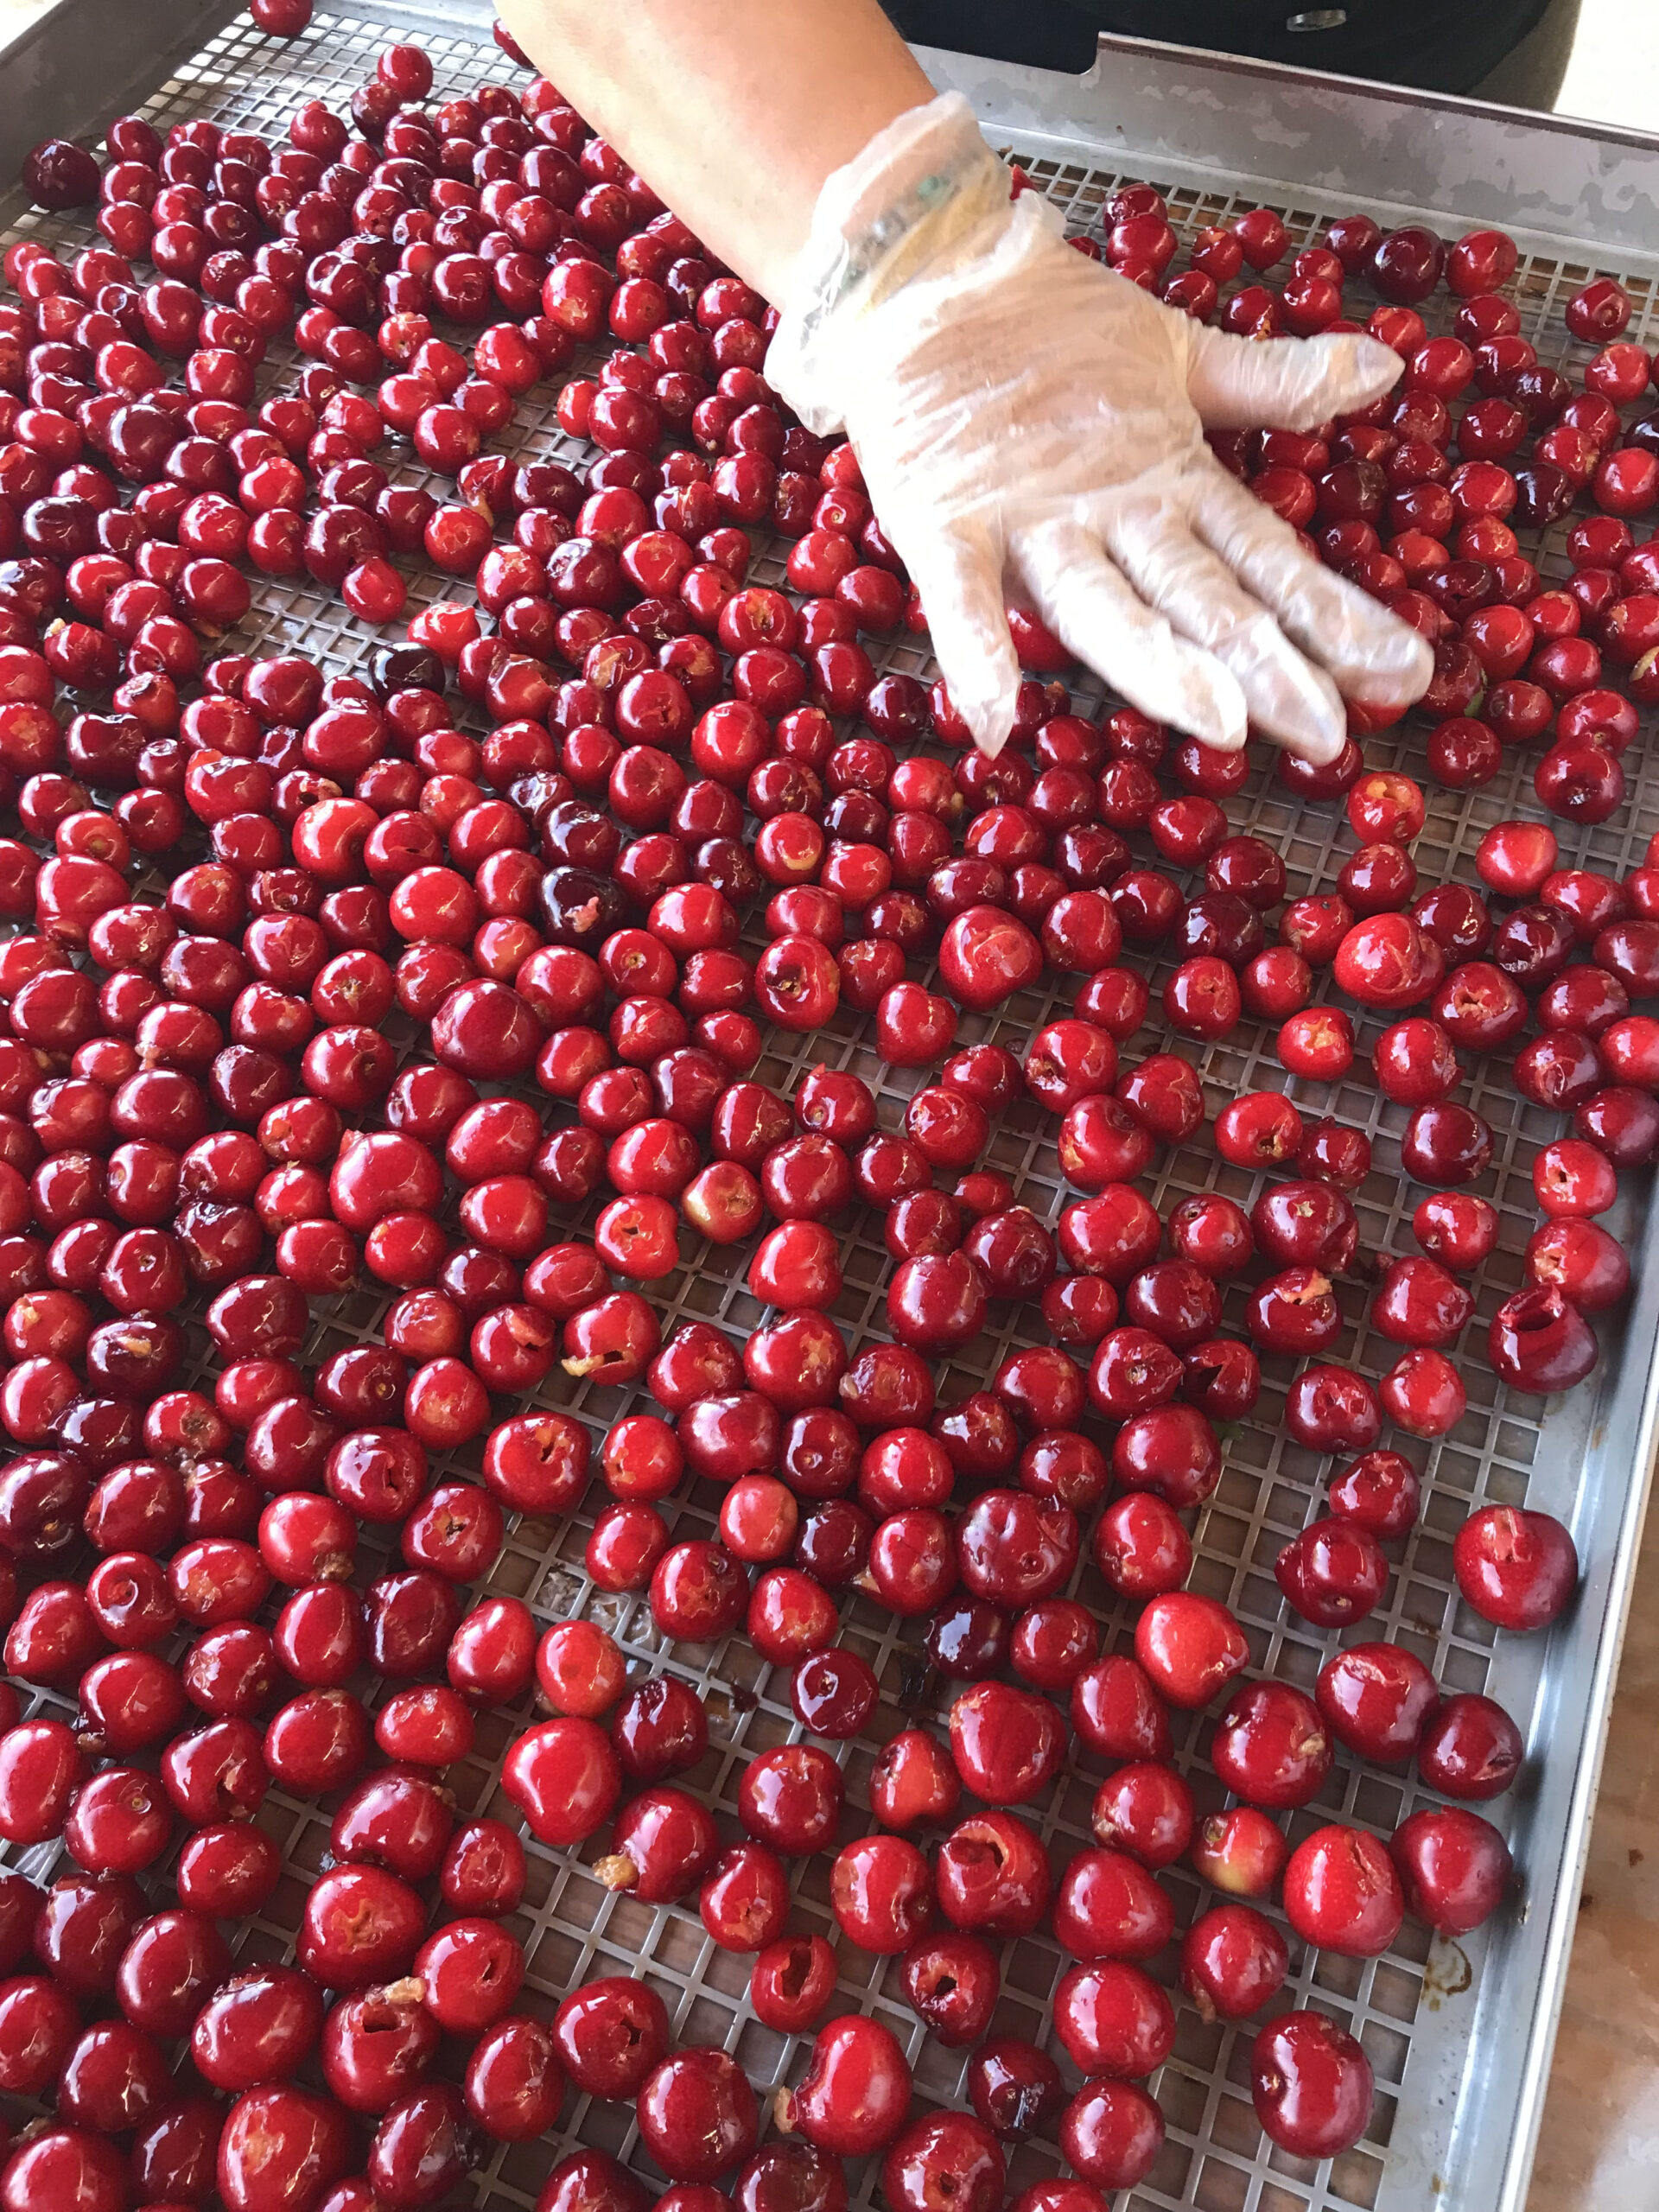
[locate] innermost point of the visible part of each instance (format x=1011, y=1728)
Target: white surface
x=1612, y=76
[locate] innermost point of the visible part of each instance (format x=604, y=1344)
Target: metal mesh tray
x=1458, y=2035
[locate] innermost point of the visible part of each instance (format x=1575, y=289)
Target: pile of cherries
x=602, y=842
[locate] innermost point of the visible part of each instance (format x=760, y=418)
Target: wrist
x=925, y=192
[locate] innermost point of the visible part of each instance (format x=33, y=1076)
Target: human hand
x=1029, y=422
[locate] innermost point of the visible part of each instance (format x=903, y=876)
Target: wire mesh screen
x=1503, y=1451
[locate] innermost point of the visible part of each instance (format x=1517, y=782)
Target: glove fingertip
x=1322, y=746
x=1228, y=712
x=1360, y=368
x=1399, y=669
x=990, y=719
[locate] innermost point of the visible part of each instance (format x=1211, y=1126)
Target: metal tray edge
x=1576, y=183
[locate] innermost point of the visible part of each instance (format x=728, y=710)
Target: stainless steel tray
x=1460, y=2036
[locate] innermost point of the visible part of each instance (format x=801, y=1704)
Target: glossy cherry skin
x=985, y=955
x=913, y=1781
x=791, y=1798
x=610, y=2035
x=483, y=1869
x=791, y=1982
x=1112, y=2132
x=658, y=1729
x=1113, y=2019
x=951, y=1981
x=1116, y=1711
x=1330, y=1408
x=661, y=1846
x=1453, y=1866
x=1518, y=1568
x=1456, y=1229
x=1170, y=1450
x=281, y=2149
x=1581, y=1260
x=1107, y=1906
x=993, y=1876
x=1053, y=1642
x=744, y=1899
x=564, y=1778
x=1233, y=1960
x=591, y=2181
x=1380, y=1491
x=1013, y=2086
x=788, y=2177
x=1144, y=1808
x=1333, y=1573
x=1190, y=1646
x=66, y=2165
x=173, y=2159
x=1007, y=1743
x=1377, y=1699
x=1418, y=1302
x=424, y=2144
x=854, y=2097
x=228, y=1869
x=19, y=1903
x=881, y=1891
x=697, y=2114
x=361, y=1925
x=376, y=2045
x=1538, y=1341
x=945, y=2144
x=1471, y=1748
x=1424, y=1394
x=1014, y=1549
x=259, y=2026
x=1305, y=1223
x=1342, y=1893
x=515, y=2084
x=1240, y=1852
x=40, y=1766
x=42, y=2022
x=1312, y=2085
x=470, y=1971
x=1445, y=1145
x=1270, y=1746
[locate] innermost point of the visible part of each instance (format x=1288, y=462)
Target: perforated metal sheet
x=1413, y=2009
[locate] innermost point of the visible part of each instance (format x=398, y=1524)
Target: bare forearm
x=734, y=111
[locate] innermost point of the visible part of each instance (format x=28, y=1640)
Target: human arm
x=737, y=111
x=1029, y=424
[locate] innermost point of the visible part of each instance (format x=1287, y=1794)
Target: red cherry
x=1538, y=1341
x=564, y=1777
x=1241, y=1852
x=1007, y=1743
x=1013, y=2086
x=952, y=2143
x=1453, y=1866
x=1108, y=1907
x=985, y=955
x=1342, y=1892
x=1312, y=2085
x=1270, y=1746
x=1518, y=1568
x=1113, y=2019
x=610, y=2034
x=697, y=2114
x=855, y=2095
x=1190, y=1646
x=1233, y=1960
x=1332, y=1572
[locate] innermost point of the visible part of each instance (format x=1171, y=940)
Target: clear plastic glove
x=1031, y=425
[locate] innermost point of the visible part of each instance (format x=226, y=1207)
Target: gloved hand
x=1028, y=422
